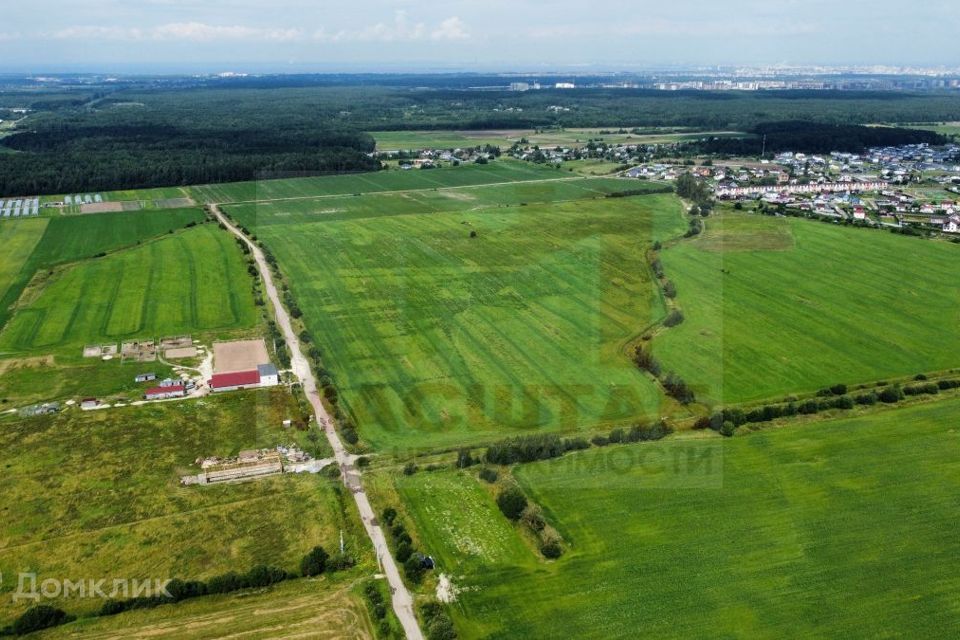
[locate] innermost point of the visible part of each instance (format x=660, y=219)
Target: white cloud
x=451, y=29
x=200, y=32
x=399, y=30
x=192, y=31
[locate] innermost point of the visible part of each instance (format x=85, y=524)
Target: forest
x=818, y=137
x=143, y=132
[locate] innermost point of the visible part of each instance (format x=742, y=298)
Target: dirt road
x=402, y=601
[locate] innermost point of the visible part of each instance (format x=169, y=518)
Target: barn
x=163, y=393
x=235, y=381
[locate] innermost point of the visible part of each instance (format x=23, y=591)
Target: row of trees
x=316, y=562
x=728, y=420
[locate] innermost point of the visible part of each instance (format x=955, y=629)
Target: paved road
x=402, y=601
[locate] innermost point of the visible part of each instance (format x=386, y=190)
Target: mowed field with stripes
x=190, y=281
x=464, y=315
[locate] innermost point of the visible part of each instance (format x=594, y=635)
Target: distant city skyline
x=494, y=35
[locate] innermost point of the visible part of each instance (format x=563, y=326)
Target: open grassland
x=436, y=337
x=18, y=239
x=67, y=239
x=834, y=529
x=322, y=608
x=193, y=281
x=97, y=495
x=781, y=306
x=451, y=200
x=26, y=381
x=576, y=137
x=307, y=187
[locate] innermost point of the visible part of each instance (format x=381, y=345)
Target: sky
x=485, y=35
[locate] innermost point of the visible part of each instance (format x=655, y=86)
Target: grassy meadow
x=327, y=608
x=780, y=306
x=192, y=281
x=437, y=337
x=97, y=495
x=835, y=529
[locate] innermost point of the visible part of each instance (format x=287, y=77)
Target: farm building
x=145, y=377
x=269, y=376
x=235, y=381
x=265, y=375
x=250, y=465
x=163, y=393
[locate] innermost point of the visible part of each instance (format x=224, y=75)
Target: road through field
x=402, y=600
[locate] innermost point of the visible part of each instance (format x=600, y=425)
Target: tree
x=40, y=617
x=464, y=459
x=413, y=568
x=512, y=502
x=315, y=562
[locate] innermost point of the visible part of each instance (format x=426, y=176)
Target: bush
x=404, y=551
x=867, y=398
x=315, y=562
x=40, y=617
x=489, y=475
x=340, y=560
x=441, y=629
x=891, y=395
x=512, y=502
x=673, y=318
x=727, y=429
x=409, y=469
x=838, y=389
x=532, y=517
x=350, y=435
x=464, y=459
x=389, y=515
x=264, y=576
x=413, y=568
x=551, y=550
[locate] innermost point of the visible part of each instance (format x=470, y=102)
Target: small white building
x=269, y=376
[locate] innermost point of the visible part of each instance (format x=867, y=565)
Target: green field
x=421, y=201
x=782, y=306
x=97, y=495
x=312, y=187
x=18, y=238
x=66, y=239
x=504, y=138
x=193, y=281
x=835, y=529
x=436, y=337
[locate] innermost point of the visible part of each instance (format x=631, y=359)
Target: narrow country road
x=402, y=600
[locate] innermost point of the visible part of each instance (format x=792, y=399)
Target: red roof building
x=162, y=393
x=234, y=381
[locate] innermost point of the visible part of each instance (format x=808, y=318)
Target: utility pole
x=764, y=152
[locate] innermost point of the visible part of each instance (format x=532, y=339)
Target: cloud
x=399, y=30
x=200, y=32
x=451, y=29
x=191, y=31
